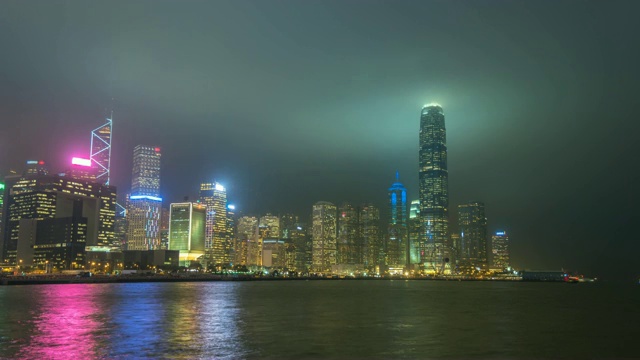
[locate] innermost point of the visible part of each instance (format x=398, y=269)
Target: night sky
x=292, y=102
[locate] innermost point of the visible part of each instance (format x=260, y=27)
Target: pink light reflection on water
x=66, y=323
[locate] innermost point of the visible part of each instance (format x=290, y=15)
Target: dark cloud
x=291, y=102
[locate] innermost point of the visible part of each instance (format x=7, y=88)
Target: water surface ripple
x=320, y=319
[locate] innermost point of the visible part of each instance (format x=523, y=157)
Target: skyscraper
x=217, y=242
x=301, y=238
x=396, y=247
x=100, y=152
x=472, y=224
x=287, y=224
x=247, y=251
x=369, y=216
x=433, y=186
x=165, y=218
x=146, y=171
x=324, y=236
x=273, y=224
x=500, y=250
x=39, y=197
x=187, y=230
x=35, y=167
x=145, y=203
x=1, y=217
x=349, y=249
x=414, y=228
x=231, y=232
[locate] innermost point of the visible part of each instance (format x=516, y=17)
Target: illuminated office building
x=165, y=217
x=100, y=152
x=370, y=231
x=433, y=185
x=82, y=169
x=287, y=224
x=349, y=248
x=247, y=246
x=272, y=222
x=187, y=228
x=231, y=232
x=301, y=239
x=40, y=197
x=472, y=224
x=35, y=167
x=273, y=253
x=57, y=243
x=143, y=222
x=2, y=196
x=145, y=204
x=217, y=242
x=396, y=247
x=500, y=250
x=324, y=236
x=146, y=171
x=120, y=232
x=246, y=250
x=415, y=233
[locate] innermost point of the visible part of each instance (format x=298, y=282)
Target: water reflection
x=182, y=320
x=65, y=323
x=327, y=319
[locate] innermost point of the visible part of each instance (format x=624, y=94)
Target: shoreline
x=37, y=280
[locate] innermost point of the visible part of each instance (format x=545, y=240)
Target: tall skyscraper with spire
x=100, y=152
x=396, y=244
x=434, y=186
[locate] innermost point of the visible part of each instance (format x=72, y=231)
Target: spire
x=397, y=176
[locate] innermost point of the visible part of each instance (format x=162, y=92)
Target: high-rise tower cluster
x=439, y=249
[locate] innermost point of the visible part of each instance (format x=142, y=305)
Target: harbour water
x=320, y=319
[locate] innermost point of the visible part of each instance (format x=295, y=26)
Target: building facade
x=187, y=228
x=217, y=241
x=472, y=225
x=39, y=197
x=369, y=228
x=146, y=171
x=415, y=232
x=145, y=204
x=272, y=223
x=246, y=249
x=324, y=236
x=433, y=186
x=397, y=250
x=500, y=256
x=349, y=247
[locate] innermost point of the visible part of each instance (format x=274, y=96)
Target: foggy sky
x=292, y=102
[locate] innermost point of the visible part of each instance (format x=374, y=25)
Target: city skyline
x=308, y=108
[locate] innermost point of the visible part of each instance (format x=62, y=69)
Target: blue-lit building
x=434, y=187
x=145, y=204
x=396, y=244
